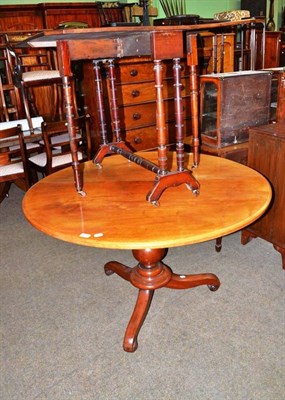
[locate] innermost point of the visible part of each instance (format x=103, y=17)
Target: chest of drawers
x=135, y=92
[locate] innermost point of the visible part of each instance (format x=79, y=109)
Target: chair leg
x=33, y=176
x=218, y=245
x=4, y=190
x=55, y=101
x=27, y=109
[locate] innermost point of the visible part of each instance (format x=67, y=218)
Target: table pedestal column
x=150, y=274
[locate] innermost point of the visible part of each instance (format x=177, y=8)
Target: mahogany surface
x=115, y=214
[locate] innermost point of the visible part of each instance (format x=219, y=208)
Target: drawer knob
x=137, y=140
x=136, y=116
x=134, y=72
x=136, y=93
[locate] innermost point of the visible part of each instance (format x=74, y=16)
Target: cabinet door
x=272, y=50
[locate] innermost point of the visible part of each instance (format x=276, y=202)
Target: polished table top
x=115, y=214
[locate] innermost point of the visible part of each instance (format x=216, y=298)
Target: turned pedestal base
x=148, y=275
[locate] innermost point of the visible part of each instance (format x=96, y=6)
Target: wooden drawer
x=139, y=115
x=146, y=137
x=143, y=92
x=143, y=71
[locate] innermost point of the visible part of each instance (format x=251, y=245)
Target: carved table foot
x=190, y=281
x=106, y=149
x=137, y=319
x=172, y=179
x=120, y=269
x=148, y=275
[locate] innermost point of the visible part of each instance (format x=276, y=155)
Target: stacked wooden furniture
x=135, y=88
x=135, y=92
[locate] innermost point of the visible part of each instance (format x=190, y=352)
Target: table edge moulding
x=115, y=215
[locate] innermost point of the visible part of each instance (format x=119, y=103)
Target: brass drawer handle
x=136, y=93
x=134, y=72
x=137, y=140
x=136, y=116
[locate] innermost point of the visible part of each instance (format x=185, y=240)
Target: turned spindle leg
x=178, y=115
x=192, y=61
x=116, y=129
x=68, y=95
x=100, y=101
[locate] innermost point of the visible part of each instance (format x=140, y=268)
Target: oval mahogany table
x=115, y=215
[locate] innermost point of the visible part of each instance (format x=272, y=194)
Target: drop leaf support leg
x=148, y=275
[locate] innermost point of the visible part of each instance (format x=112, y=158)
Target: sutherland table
x=104, y=46
x=115, y=215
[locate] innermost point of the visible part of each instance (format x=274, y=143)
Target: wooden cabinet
x=54, y=14
x=20, y=17
x=231, y=103
x=50, y=15
x=267, y=155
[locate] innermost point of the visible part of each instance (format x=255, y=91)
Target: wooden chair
x=35, y=70
x=242, y=52
x=10, y=103
x=13, y=161
x=33, y=146
x=57, y=153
